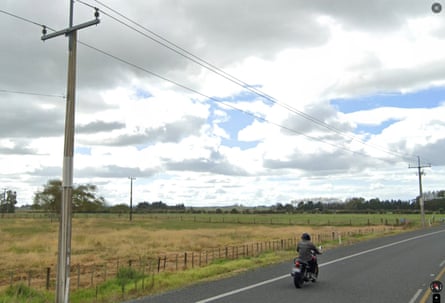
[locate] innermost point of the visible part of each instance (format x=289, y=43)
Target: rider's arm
x=317, y=251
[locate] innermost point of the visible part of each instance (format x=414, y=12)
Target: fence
x=90, y=275
x=250, y=219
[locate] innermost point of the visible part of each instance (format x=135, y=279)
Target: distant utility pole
x=64, y=252
x=131, y=197
x=421, y=201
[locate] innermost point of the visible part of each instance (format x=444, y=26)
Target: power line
x=190, y=56
x=202, y=94
x=30, y=93
x=21, y=18
x=215, y=99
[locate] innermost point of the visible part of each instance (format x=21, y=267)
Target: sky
x=216, y=103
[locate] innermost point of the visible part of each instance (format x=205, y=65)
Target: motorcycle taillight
x=297, y=264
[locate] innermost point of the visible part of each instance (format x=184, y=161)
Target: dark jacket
x=304, y=248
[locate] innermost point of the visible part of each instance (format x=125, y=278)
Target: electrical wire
x=203, y=63
x=216, y=99
x=194, y=90
x=21, y=18
x=30, y=93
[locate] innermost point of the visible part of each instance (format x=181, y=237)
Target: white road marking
x=416, y=295
x=235, y=291
x=443, y=263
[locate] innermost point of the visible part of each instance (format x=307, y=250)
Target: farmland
x=29, y=242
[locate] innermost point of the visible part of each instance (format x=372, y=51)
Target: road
x=390, y=269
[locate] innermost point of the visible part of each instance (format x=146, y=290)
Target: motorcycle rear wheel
x=298, y=281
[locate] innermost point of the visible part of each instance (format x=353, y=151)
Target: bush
x=125, y=276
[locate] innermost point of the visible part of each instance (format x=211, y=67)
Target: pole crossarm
x=69, y=30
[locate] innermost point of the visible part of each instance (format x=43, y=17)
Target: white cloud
x=184, y=147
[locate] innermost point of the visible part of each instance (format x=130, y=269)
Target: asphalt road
x=390, y=269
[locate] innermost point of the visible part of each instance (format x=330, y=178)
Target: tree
x=8, y=202
x=84, y=198
x=355, y=203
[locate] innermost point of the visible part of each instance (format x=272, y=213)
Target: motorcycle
x=302, y=273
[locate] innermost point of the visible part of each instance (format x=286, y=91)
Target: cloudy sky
x=249, y=102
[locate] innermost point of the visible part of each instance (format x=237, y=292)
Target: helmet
x=306, y=237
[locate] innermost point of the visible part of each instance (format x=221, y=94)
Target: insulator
x=96, y=13
x=44, y=30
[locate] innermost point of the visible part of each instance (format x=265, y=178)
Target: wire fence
x=91, y=275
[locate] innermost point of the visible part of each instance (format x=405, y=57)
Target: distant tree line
x=145, y=207
x=85, y=199
x=359, y=204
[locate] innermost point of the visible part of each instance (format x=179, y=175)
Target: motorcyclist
x=304, y=249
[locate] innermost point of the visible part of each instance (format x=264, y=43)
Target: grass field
x=30, y=242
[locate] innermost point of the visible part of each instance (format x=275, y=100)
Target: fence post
x=29, y=278
x=105, y=272
x=78, y=276
x=93, y=271
x=48, y=271
x=185, y=260
x=143, y=275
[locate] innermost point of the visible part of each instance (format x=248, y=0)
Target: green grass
x=21, y=293
x=153, y=284
x=180, y=221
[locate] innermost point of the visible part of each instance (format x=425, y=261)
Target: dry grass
x=32, y=243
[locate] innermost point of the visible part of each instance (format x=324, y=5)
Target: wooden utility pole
x=131, y=197
x=421, y=200
x=64, y=245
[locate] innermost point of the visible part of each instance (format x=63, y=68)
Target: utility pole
x=64, y=248
x=131, y=197
x=421, y=201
